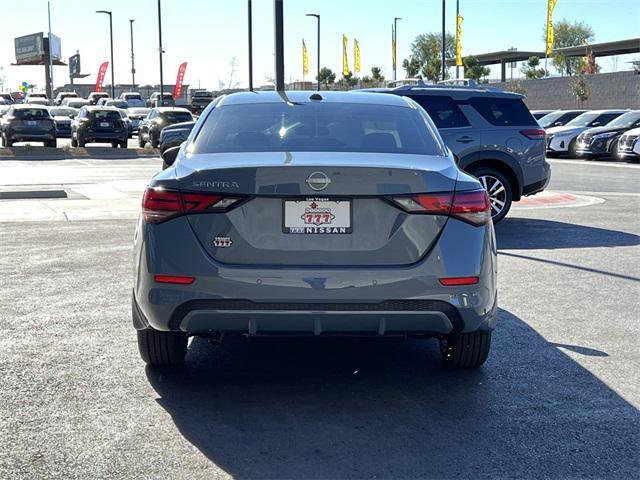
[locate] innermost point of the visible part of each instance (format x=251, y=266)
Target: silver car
x=328, y=213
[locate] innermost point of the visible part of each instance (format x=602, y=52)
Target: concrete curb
x=45, y=153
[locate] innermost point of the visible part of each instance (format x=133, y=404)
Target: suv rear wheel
x=162, y=348
x=499, y=189
x=466, y=350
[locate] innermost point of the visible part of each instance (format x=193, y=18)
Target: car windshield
x=106, y=115
x=550, y=118
x=583, y=120
x=625, y=121
x=175, y=117
x=138, y=111
x=62, y=112
x=318, y=127
x=31, y=113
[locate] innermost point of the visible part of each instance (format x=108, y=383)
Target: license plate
x=317, y=216
x=104, y=124
x=32, y=123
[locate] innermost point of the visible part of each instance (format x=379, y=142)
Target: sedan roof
x=305, y=97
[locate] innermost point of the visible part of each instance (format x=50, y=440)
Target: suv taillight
x=533, y=133
x=159, y=205
x=472, y=207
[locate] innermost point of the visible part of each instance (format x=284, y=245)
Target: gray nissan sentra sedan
x=330, y=213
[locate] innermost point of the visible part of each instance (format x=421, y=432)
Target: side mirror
x=169, y=155
x=72, y=116
x=557, y=124
x=596, y=124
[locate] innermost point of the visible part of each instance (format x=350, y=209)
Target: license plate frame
x=32, y=123
x=292, y=208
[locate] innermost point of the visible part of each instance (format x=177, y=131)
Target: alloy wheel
x=497, y=193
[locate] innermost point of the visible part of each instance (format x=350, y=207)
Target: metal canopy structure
x=503, y=57
x=605, y=49
x=619, y=47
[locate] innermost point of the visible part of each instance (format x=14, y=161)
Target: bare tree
x=233, y=67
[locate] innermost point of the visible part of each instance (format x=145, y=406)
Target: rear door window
x=605, y=118
x=442, y=109
x=503, y=112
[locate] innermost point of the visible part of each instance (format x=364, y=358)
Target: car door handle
x=464, y=139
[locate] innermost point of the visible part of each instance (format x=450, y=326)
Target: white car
x=629, y=145
x=562, y=140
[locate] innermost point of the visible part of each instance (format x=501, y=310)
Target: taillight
x=159, y=205
x=457, y=281
x=174, y=279
x=472, y=207
x=533, y=133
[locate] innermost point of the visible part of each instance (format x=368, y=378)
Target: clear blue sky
x=208, y=33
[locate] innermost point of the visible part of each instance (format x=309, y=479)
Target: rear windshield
x=106, y=115
x=176, y=117
x=31, y=113
x=132, y=96
x=138, y=111
x=62, y=112
x=317, y=127
x=503, y=112
x=77, y=103
x=117, y=103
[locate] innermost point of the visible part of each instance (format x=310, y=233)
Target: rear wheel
x=162, y=348
x=81, y=142
x=8, y=142
x=124, y=144
x=141, y=142
x=499, y=189
x=114, y=144
x=74, y=142
x=155, y=142
x=572, y=149
x=466, y=350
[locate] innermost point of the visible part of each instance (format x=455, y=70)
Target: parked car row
x=590, y=134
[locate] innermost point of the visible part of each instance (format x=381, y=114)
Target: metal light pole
x=395, y=45
x=161, y=52
x=49, y=83
x=318, y=19
x=444, y=35
x=133, y=65
x=250, y=30
x=111, y=38
x=457, y=39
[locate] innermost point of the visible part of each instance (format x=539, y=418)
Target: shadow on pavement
x=533, y=233
x=386, y=407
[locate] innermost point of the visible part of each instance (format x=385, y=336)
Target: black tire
x=2, y=140
x=466, y=350
x=155, y=142
x=141, y=142
x=8, y=142
x=74, y=142
x=498, y=212
x=114, y=144
x=81, y=142
x=52, y=143
x=162, y=348
x=572, y=149
x=124, y=144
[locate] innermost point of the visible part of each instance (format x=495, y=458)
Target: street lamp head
x=132, y=20
x=312, y=15
x=104, y=11
x=397, y=18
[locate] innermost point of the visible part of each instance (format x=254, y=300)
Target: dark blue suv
x=493, y=136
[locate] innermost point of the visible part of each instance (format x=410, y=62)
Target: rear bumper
x=94, y=136
x=315, y=301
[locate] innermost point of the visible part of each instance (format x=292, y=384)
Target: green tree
x=473, y=69
x=567, y=34
x=426, y=56
x=580, y=89
x=531, y=70
x=376, y=75
x=326, y=76
x=347, y=81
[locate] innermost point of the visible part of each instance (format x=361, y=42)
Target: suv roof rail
x=483, y=87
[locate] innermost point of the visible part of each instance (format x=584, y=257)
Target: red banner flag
x=100, y=79
x=177, y=90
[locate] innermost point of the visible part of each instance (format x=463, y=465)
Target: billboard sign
x=74, y=66
x=55, y=47
x=29, y=47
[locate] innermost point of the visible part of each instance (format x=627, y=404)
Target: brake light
x=472, y=207
x=159, y=205
x=174, y=279
x=457, y=281
x=533, y=133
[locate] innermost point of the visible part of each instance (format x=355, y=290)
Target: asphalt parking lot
x=558, y=397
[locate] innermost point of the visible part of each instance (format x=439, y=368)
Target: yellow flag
x=345, y=59
x=305, y=59
x=393, y=48
x=356, y=56
x=550, y=6
x=459, y=62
